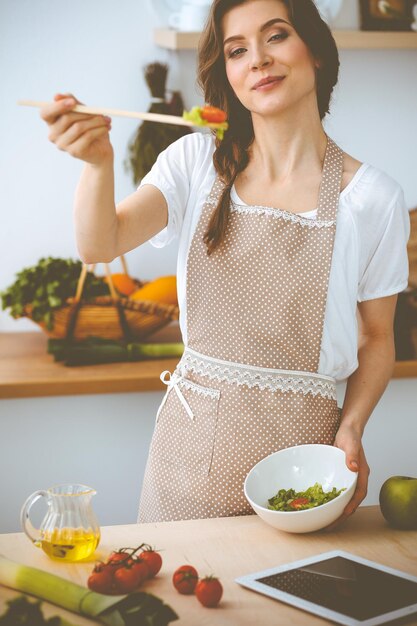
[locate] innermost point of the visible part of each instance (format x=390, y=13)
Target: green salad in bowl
x=290, y=500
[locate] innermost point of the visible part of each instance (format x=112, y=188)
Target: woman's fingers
x=73, y=130
x=60, y=96
x=52, y=111
x=361, y=485
x=79, y=148
x=82, y=135
x=359, y=495
x=64, y=122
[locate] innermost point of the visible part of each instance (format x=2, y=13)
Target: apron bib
x=247, y=384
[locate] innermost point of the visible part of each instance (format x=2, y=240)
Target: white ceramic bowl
x=298, y=468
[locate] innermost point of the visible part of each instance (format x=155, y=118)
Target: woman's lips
x=269, y=85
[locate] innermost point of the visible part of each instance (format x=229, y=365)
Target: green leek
x=135, y=609
x=98, y=350
x=160, y=350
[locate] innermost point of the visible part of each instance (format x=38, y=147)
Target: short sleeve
x=171, y=174
x=386, y=268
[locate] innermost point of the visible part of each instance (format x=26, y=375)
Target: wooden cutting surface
x=26, y=370
x=229, y=547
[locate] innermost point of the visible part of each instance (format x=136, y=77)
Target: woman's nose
x=259, y=60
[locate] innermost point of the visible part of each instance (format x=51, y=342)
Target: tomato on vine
x=153, y=559
x=101, y=579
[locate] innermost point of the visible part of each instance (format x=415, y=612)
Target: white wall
x=96, y=49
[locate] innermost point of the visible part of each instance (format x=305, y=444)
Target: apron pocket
x=183, y=440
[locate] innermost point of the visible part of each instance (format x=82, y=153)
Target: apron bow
x=172, y=382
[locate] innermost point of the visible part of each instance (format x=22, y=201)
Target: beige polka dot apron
x=248, y=382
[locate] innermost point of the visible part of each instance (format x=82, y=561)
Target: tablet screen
x=346, y=586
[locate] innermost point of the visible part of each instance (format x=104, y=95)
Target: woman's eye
x=278, y=36
x=235, y=53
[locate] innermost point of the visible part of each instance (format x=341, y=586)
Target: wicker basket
x=109, y=317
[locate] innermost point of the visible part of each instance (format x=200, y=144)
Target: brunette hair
x=231, y=155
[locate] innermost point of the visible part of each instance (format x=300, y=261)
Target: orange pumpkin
x=162, y=289
x=123, y=283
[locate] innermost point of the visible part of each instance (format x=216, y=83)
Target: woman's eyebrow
x=263, y=27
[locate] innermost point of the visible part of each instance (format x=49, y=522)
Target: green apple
x=398, y=501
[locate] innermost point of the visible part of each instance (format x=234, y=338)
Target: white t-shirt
x=369, y=257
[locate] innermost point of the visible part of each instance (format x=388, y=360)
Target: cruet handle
x=27, y=526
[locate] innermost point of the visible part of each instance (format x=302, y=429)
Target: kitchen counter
x=228, y=547
x=26, y=370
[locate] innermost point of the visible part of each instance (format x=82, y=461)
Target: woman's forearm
x=376, y=356
x=95, y=213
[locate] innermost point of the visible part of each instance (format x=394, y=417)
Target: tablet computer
x=341, y=587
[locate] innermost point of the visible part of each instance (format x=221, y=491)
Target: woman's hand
x=349, y=440
x=83, y=136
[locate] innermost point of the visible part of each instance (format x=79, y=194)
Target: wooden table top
x=27, y=370
x=228, y=548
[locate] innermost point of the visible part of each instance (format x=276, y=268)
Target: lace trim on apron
x=280, y=214
x=252, y=376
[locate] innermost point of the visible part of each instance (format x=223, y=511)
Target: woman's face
x=268, y=65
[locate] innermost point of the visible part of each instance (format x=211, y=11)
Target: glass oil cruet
x=69, y=530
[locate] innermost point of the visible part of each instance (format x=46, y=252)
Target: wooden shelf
x=345, y=39
x=28, y=371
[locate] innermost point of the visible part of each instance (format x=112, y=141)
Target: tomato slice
x=299, y=502
x=213, y=115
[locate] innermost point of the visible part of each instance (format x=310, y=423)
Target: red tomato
x=299, y=502
x=118, y=557
x=126, y=579
x=141, y=567
x=153, y=560
x=185, y=579
x=101, y=579
x=209, y=591
x=213, y=115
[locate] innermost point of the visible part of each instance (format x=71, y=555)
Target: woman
x=284, y=239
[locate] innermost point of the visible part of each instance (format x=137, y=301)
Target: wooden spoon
x=148, y=117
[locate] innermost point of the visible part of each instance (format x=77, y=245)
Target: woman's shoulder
x=369, y=189
x=192, y=152
x=194, y=143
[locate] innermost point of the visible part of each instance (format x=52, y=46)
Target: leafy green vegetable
x=46, y=287
x=284, y=499
x=145, y=609
x=21, y=612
